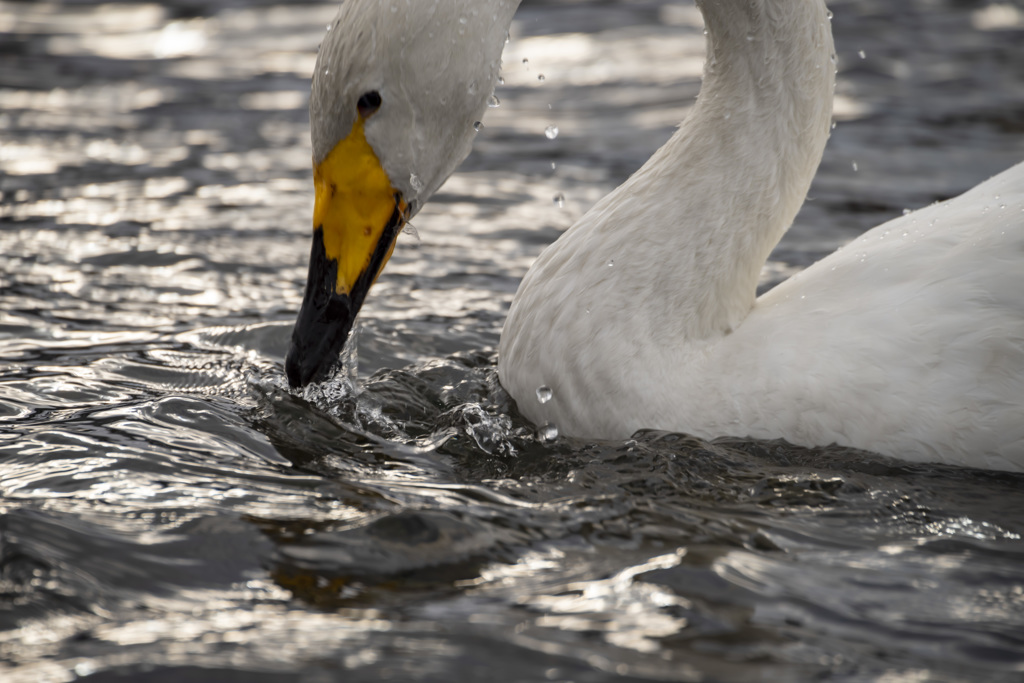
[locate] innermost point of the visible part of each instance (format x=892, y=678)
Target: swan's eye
x=368, y=103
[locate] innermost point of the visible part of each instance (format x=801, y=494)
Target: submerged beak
x=357, y=218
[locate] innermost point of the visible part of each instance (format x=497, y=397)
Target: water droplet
x=559, y=200
x=493, y=102
x=501, y=80
x=544, y=394
x=547, y=433
x=551, y=132
x=553, y=166
x=862, y=54
x=828, y=13
x=416, y=183
x=85, y=668
x=525, y=60
x=462, y=20
x=412, y=232
x=750, y=38
x=833, y=125
x=540, y=77
x=478, y=125
x=611, y=262
x=855, y=167
x=906, y=212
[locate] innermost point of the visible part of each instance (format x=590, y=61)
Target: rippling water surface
x=171, y=511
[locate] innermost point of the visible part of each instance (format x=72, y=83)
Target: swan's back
x=908, y=341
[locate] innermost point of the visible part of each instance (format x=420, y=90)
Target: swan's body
x=908, y=342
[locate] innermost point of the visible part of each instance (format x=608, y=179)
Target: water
x=171, y=511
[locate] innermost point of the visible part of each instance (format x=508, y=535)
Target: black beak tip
x=298, y=373
x=319, y=336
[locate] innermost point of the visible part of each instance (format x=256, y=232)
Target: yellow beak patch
x=354, y=203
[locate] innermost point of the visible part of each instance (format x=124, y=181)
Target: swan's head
x=397, y=91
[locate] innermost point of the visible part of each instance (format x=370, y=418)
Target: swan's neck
x=695, y=225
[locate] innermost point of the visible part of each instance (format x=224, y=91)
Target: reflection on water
x=168, y=510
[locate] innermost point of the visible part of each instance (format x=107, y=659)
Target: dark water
x=171, y=512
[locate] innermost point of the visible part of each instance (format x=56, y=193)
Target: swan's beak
x=357, y=217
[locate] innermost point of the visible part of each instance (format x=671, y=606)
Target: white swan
x=908, y=342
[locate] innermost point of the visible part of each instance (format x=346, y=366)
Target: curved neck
x=702, y=215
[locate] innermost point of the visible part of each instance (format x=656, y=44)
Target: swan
x=908, y=342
